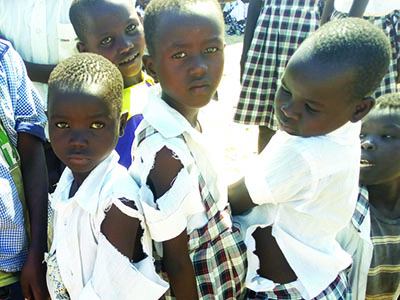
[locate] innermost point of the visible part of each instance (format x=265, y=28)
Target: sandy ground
x=239, y=142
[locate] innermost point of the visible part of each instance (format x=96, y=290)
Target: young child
x=380, y=175
x=303, y=187
x=112, y=29
x=98, y=250
x=200, y=252
x=23, y=182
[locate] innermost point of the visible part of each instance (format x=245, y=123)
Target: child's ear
x=362, y=109
x=148, y=62
x=122, y=122
x=81, y=47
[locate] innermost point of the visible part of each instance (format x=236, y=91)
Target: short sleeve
x=281, y=173
x=21, y=109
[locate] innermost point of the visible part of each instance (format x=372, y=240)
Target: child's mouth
x=129, y=60
x=366, y=163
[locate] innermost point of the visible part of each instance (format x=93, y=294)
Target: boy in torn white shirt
x=100, y=249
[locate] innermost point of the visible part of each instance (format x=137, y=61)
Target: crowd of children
x=140, y=210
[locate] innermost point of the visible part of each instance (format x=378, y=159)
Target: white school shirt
x=374, y=7
x=40, y=30
x=181, y=206
x=90, y=267
x=306, y=188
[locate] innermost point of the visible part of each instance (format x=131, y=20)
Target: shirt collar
x=164, y=118
x=88, y=193
x=349, y=133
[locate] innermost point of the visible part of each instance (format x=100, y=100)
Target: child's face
x=380, y=147
x=115, y=32
x=189, y=58
x=83, y=130
x=313, y=99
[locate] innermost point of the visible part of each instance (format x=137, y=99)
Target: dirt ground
x=239, y=142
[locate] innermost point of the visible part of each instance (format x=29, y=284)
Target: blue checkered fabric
x=21, y=109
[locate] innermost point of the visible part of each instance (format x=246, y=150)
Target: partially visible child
x=99, y=250
x=23, y=182
x=200, y=251
x=380, y=175
x=112, y=28
x=303, y=187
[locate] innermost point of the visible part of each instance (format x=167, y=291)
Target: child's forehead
x=106, y=9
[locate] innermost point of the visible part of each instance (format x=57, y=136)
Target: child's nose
x=78, y=140
x=126, y=44
x=368, y=144
x=198, y=66
x=289, y=111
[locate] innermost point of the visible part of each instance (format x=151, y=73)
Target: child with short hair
x=99, y=250
x=380, y=176
x=302, y=190
x=199, y=251
x=112, y=28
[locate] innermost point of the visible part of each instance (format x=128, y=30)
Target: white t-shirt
x=374, y=7
x=39, y=30
x=90, y=267
x=306, y=188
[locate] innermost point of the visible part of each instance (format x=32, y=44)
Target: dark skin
x=273, y=264
x=176, y=259
x=124, y=232
x=357, y=9
x=34, y=174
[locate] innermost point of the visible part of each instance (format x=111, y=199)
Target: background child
x=305, y=182
x=184, y=201
x=112, y=29
x=274, y=30
x=98, y=251
x=380, y=173
x=23, y=179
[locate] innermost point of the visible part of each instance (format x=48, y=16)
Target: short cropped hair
x=356, y=44
x=390, y=101
x=78, y=16
x=156, y=8
x=85, y=71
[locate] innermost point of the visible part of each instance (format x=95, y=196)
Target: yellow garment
x=133, y=99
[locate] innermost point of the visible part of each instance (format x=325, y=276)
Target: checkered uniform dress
x=281, y=27
x=337, y=290
x=217, y=251
x=390, y=24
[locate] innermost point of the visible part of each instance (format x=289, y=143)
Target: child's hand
x=33, y=277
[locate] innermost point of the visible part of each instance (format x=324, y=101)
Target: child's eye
x=97, y=125
x=211, y=50
x=106, y=40
x=388, y=136
x=131, y=27
x=179, y=55
x=310, y=109
x=362, y=135
x=62, y=125
x=285, y=90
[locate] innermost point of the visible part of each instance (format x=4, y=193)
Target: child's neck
x=74, y=188
x=386, y=199
x=130, y=81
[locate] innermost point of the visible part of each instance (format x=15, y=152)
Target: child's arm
x=176, y=258
x=357, y=9
x=34, y=174
x=329, y=6
x=239, y=198
x=39, y=72
x=253, y=13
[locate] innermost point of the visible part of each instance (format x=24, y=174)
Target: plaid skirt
x=217, y=252
x=390, y=24
x=337, y=290
x=280, y=29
